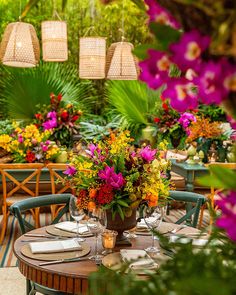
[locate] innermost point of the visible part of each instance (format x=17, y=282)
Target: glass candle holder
x=108, y=241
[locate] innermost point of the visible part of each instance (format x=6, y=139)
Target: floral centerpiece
x=60, y=118
x=29, y=145
x=117, y=176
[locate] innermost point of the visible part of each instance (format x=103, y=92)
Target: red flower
x=165, y=106
x=59, y=97
x=52, y=98
x=105, y=194
x=157, y=120
x=30, y=157
x=74, y=118
x=38, y=116
x=162, y=98
x=64, y=116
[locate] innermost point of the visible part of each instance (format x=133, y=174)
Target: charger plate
x=26, y=251
x=114, y=262
x=52, y=230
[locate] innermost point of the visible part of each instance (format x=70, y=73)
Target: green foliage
x=213, y=112
x=220, y=177
x=6, y=127
x=24, y=89
x=207, y=271
x=132, y=103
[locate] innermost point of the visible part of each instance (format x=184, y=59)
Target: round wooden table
x=67, y=277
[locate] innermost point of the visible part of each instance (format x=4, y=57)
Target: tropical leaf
x=131, y=103
x=30, y=4
x=24, y=89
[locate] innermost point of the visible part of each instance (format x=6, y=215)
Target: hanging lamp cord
x=20, y=11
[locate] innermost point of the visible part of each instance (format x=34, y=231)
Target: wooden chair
x=58, y=185
x=19, y=208
x=20, y=176
x=213, y=194
x=189, y=198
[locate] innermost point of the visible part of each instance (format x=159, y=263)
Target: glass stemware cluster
x=95, y=220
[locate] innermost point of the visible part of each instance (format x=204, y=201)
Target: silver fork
x=175, y=230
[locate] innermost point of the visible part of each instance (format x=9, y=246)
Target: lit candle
x=109, y=240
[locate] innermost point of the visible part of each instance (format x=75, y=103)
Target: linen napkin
x=55, y=246
x=143, y=260
x=142, y=224
x=71, y=227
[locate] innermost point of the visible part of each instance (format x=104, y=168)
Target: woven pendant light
x=20, y=46
x=54, y=41
x=121, y=64
x=92, y=58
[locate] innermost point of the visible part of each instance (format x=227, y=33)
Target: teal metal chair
x=18, y=209
x=194, y=203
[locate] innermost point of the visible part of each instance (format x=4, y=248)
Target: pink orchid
x=70, y=171
x=112, y=178
x=148, y=154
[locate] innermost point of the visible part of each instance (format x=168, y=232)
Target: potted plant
x=117, y=177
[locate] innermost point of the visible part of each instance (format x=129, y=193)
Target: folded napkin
x=143, y=260
x=71, y=227
x=142, y=224
x=55, y=246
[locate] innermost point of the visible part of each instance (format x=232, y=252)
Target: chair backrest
x=20, y=175
x=57, y=179
x=20, y=207
x=192, y=198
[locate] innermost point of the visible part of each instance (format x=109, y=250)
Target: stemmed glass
x=153, y=217
x=77, y=214
x=97, y=223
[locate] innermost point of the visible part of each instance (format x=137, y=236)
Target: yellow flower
x=5, y=141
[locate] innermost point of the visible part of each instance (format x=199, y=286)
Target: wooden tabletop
x=66, y=277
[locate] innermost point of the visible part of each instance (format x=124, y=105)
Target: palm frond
x=24, y=89
x=131, y=103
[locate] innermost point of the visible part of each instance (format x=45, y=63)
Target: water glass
x=77, y=214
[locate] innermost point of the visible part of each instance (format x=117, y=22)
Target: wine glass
x=97, y=223
x=153, y=218
x=77, y=214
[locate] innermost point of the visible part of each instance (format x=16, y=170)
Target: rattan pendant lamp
x=92, y=53
x=20, y=46
x=54, y=39
x=120, y=62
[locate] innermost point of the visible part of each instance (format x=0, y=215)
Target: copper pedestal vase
x=120, y=226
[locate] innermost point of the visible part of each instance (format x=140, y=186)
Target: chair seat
x=15, y=198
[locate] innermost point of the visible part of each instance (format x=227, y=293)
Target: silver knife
x=64, y=260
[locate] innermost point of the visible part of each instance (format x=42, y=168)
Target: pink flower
x=20, y=138
x=227, y=221
x=187, y=51
x=52, y=115
x=186, y=118
x=44, y=147
x=210, y=84
x=147, y=154
x=112, y=178
x=70, y=171
x=50, y=124
x=160, y=15
x=182, y=94
x=155, y=69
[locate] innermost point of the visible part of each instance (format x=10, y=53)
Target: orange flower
x=92, y=193
x=91, y=205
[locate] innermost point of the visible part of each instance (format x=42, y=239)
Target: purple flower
x=160, y=15
x=228, y=75
x=187, y=51
x=210, y=84
x=112, y=178
x=155, y=69
x=186, y=118
x=50, y=124
x=227, y=221
x=70, y=171
x=182, y=94
x=147, y=154
x=232, y=122
x=93, y=150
